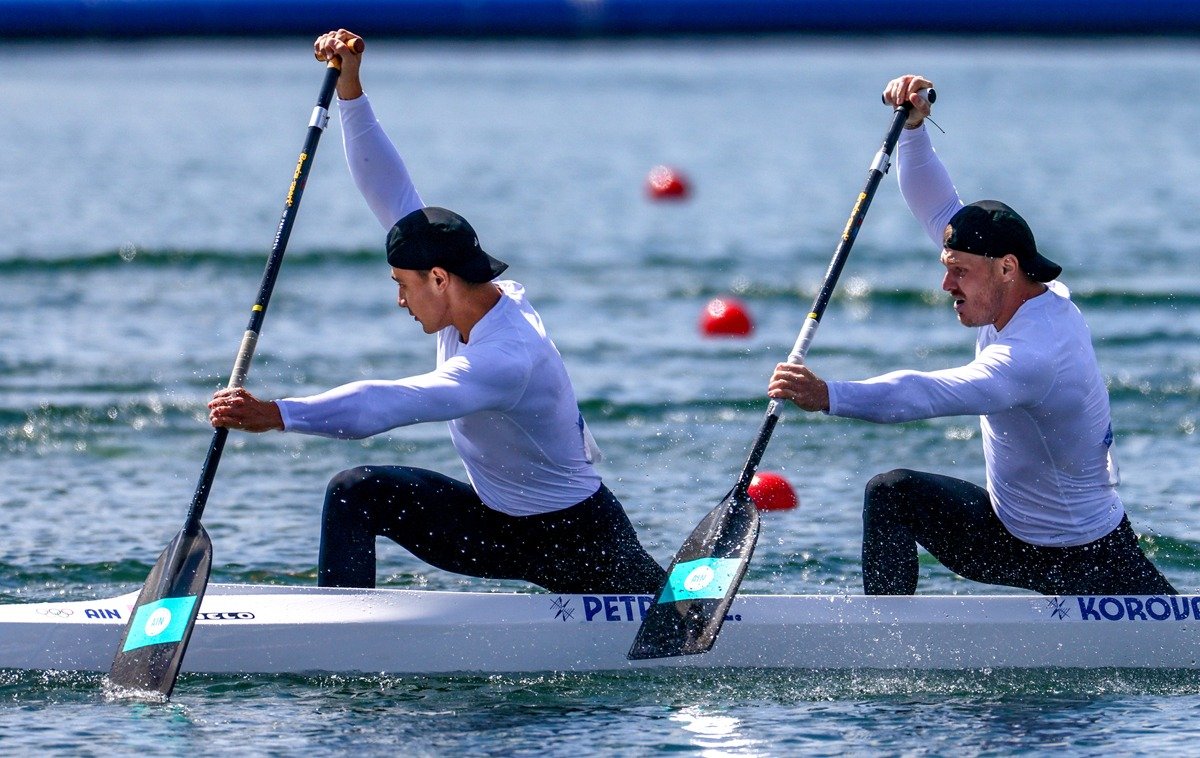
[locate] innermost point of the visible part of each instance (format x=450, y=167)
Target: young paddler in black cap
x=534, y=507
x=1049, y=518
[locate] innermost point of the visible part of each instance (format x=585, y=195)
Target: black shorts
x=589, y=547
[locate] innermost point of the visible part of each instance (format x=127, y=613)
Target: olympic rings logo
x=61, y=613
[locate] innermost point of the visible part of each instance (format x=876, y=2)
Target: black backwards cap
x=430, y=237
x=990, y=228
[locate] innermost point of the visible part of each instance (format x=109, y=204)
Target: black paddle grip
x=930, y=95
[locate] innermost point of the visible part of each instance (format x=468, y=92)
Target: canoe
x=283, y=629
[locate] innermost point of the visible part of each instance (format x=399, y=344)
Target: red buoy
x=725, y=317
x=666, y=183
x=771, y=492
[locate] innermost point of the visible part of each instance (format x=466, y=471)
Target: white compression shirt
x=512, y=412
x=1047, y=433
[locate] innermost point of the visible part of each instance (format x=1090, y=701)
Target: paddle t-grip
x=356, y=44
x=928, y=94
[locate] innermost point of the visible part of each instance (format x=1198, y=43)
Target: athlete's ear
x=1009, y=266
x=440, y=276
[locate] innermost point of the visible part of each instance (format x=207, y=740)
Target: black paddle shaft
x=690, y=609
x=163, y=617
x=879, y=167
x=241, y=366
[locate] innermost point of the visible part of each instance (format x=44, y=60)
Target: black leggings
x=589, y=547
x=954, y=521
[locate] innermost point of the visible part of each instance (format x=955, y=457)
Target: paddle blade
x=161, y=622
x=690, y=608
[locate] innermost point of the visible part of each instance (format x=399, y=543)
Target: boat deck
x=275, y=629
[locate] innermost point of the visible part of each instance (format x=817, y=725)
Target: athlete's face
x=423, y=295
x=976, y=283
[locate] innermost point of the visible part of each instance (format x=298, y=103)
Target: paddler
x=1049, y=519
x=534, y=508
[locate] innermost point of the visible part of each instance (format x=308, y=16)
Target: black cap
x=430, y=237
x=992, y=229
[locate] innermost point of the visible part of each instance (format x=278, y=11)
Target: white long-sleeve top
x=512, y=412
x=1036, y=385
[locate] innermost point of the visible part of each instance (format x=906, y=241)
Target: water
x=142, y=184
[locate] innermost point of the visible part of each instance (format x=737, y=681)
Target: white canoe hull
x=271, y=629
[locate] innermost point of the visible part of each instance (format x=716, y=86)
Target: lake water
x=141, y=186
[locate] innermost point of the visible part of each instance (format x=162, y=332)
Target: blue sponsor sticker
x=159, y=623
x=705, y=579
